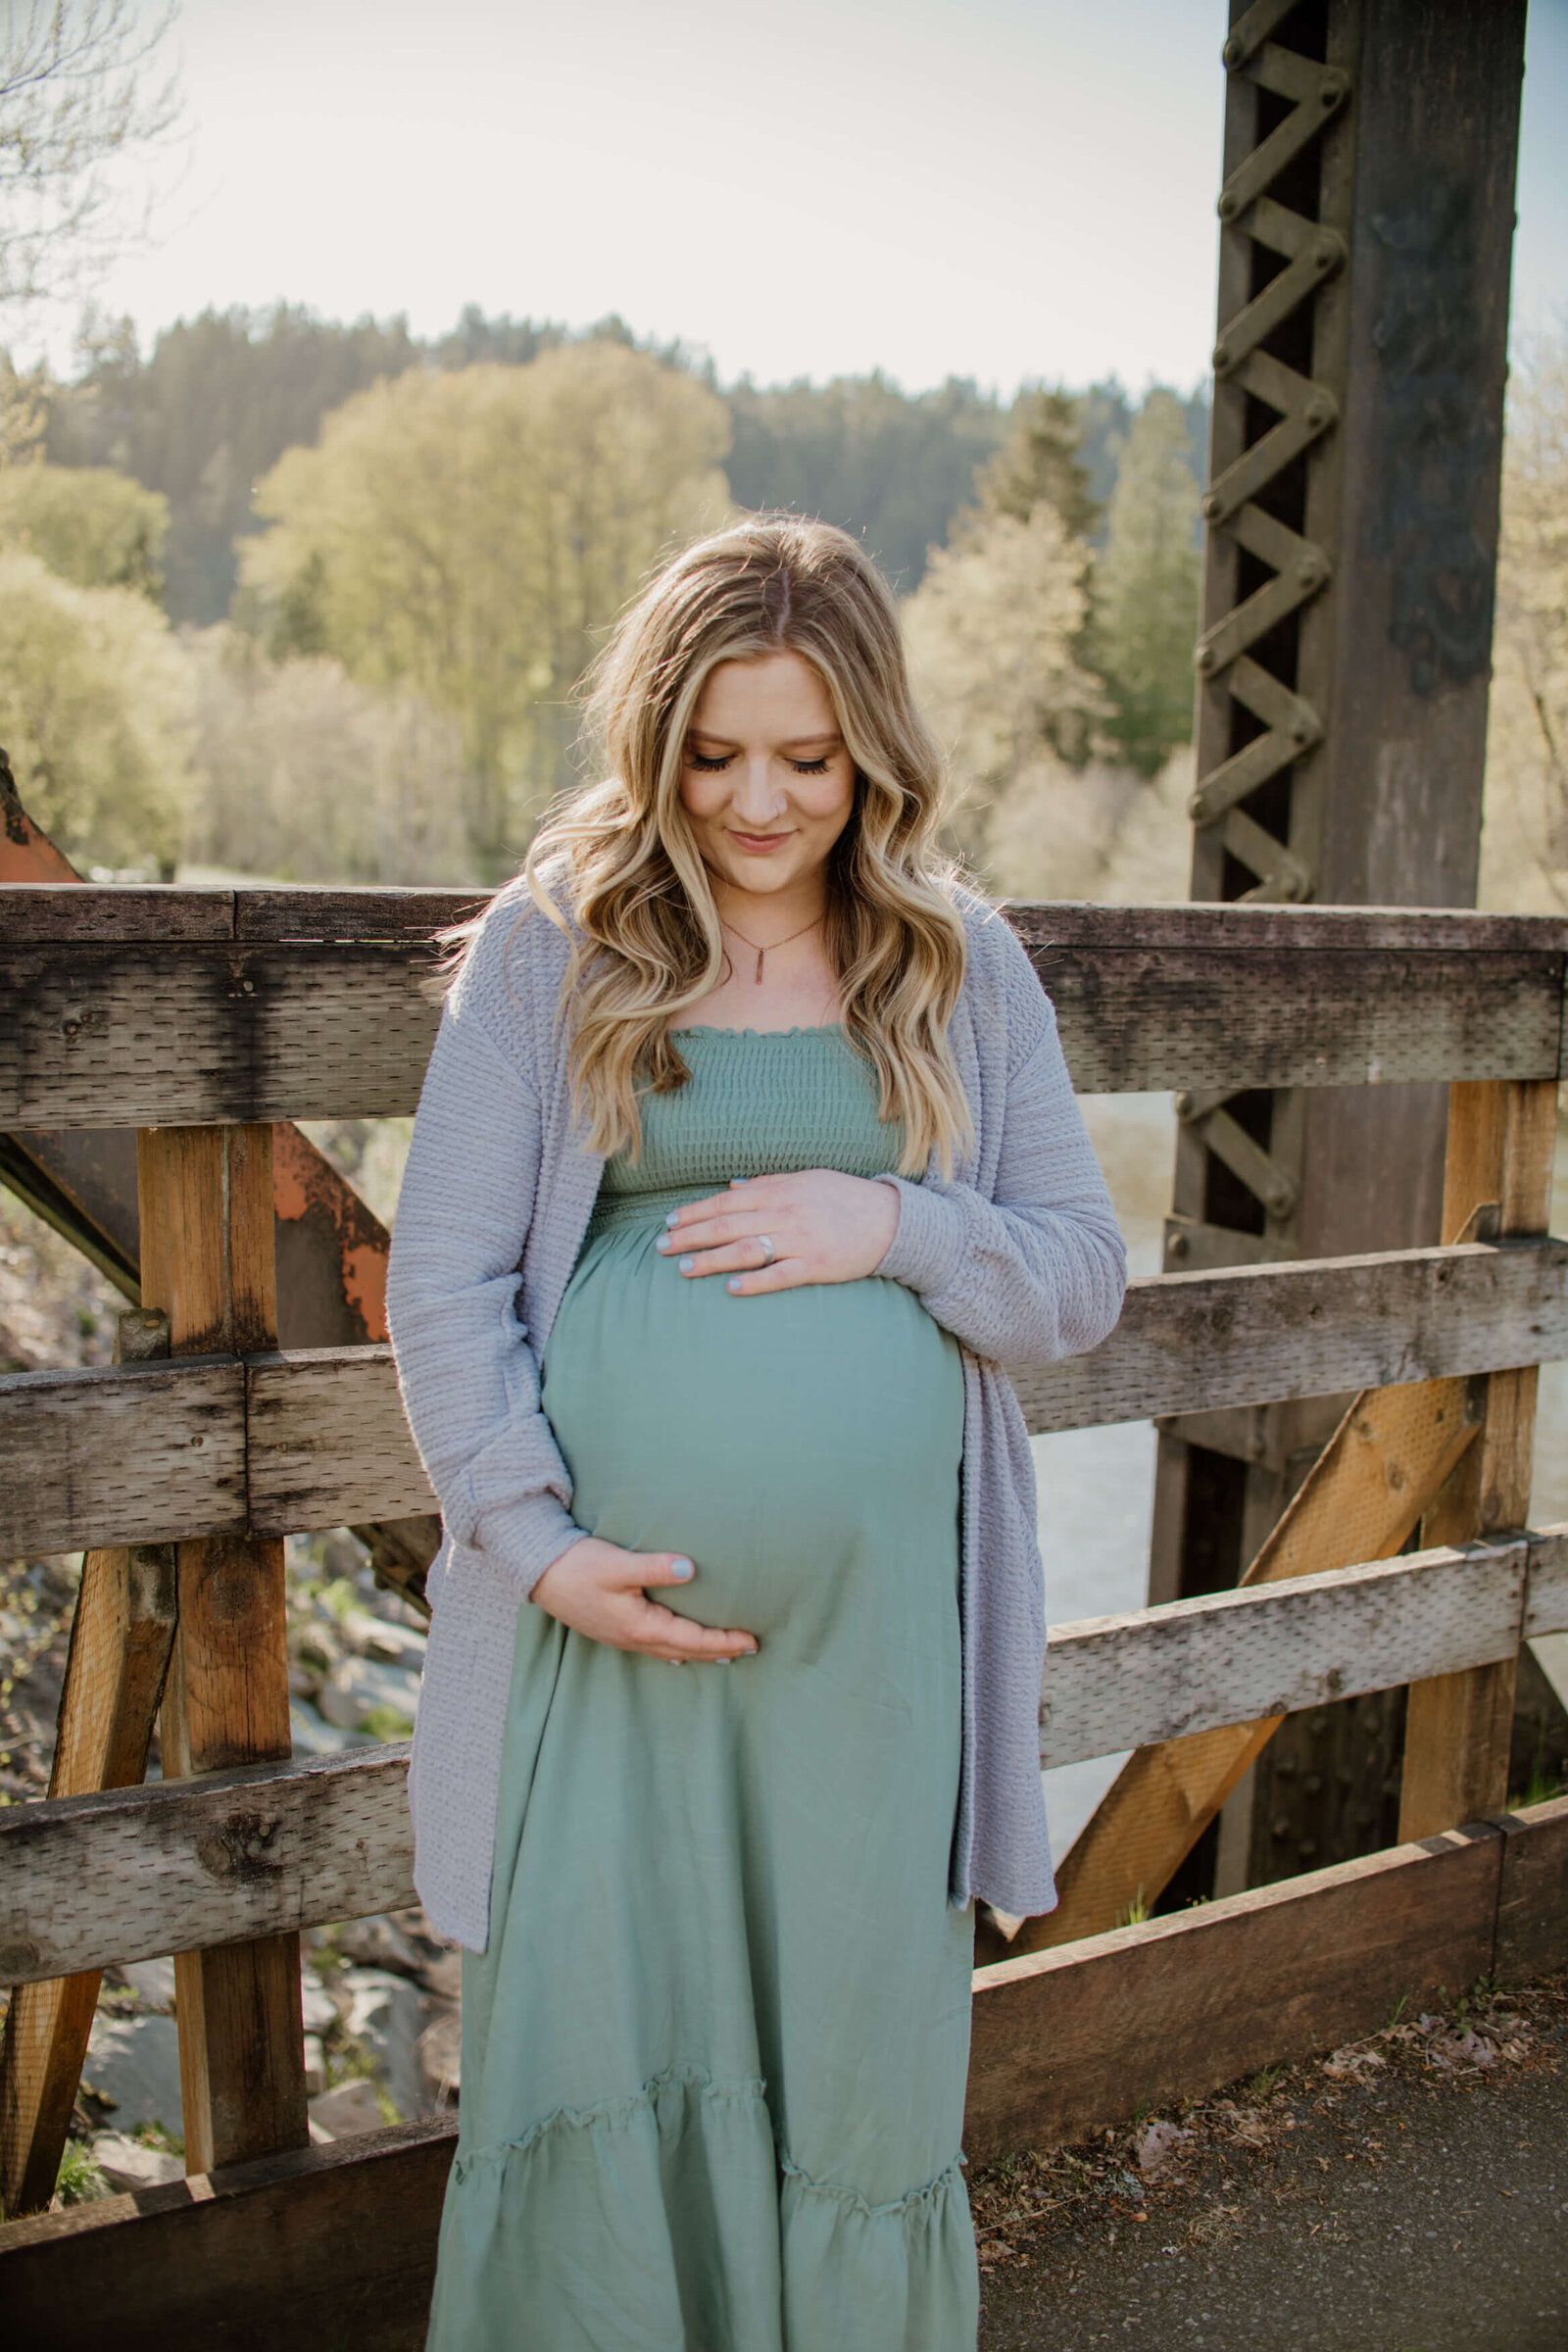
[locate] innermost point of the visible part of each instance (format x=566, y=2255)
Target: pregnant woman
x=746, y=1157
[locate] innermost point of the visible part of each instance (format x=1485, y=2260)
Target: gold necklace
x=772, y=943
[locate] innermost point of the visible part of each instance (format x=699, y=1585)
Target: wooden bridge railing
x=216, y=1009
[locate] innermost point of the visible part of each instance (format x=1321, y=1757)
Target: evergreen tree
x=1039, y=462
x=1147, y=588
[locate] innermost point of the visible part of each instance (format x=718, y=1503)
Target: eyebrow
x=796, y=743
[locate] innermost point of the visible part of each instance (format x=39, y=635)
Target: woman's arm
x=1040, y=1271
x=468, y=1370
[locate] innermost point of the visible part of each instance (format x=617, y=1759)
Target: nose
x=758, y=798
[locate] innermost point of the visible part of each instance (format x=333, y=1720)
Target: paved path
x=1416, y=2206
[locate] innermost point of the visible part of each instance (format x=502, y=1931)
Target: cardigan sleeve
x=1038, y=1270
x=468, y=1370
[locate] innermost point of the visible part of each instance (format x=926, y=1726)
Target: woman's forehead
x=778, y=695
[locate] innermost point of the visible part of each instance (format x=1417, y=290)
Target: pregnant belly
x=785, y=1441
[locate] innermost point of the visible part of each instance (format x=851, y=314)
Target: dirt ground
x=1406, y=2193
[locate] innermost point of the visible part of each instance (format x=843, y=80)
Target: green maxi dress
x=714, y=2057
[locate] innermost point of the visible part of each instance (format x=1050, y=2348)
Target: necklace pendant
x=761, y=952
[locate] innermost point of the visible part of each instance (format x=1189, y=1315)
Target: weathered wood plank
x=207, y=1262
x=1546, y=1591
x=120, y=1643
x=336, y=2245
x=309, y=911
x=1532, y=1931
x=1071, y=2038
x=128, y=1033
x=39, y=914
x=96, y=1457
x=139, y=1035
x=133, y=1453
x=327, y=1431
x=1388, y=1457
x=1265, y=1649
x=1045, y=923
x=231, y=1855
x=334, y=914
x=1458, y=1727
x=1197, y=1342
x=220, y=1859
x=1148, y=1019
x=330, y=2247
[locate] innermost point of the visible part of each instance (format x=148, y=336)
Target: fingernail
x=750, y=1653
x=734, y=1179
x=680, y=1570
x=734, y=1282
x=673, y=1217
x=666, y=1241
x=686, y=1264
x=723, y=1661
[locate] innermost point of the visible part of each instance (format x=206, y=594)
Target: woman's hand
x=824, y=1227
x=599, y=1589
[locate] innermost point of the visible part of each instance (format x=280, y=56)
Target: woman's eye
x=809, y=768
x=708, y=766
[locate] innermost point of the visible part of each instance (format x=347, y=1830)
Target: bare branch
x=77, y=93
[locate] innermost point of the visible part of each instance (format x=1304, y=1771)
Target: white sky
x=994, y=189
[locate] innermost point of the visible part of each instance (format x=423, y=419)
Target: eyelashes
x=708, y=766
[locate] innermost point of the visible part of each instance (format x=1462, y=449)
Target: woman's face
x=766, y=780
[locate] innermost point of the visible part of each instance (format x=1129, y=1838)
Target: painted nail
x=673, y=1217
x=666, y=1241
x=723, y=1661
x=734, y=1282
x=734, y=1179
x=680, y=1570
x=686, y=1264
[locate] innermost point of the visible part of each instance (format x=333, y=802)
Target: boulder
x=385, y=2015
x=133, y=2064
x=153, y=1981
x=342, y=2113
x=128, y=2164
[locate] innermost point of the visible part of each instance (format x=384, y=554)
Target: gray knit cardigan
x=1020, y=1258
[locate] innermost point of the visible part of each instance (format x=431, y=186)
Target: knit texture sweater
x=1018, y=1256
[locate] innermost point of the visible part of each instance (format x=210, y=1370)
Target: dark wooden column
x=1366, y=233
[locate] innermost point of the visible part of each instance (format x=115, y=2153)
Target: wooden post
x=1458, y=1726
x=119, y=1645
x=206, y=1202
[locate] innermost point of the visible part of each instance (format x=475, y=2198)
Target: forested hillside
x=220, y=398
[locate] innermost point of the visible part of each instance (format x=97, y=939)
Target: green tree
x=89, y=524
x=890, y=466
x=994, y=632
x=1039, y=461
x=96, y=710
x=1523, y=842
x=1147, y=588
x=472, y=535
x=308, y=777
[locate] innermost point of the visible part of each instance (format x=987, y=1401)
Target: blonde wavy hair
x=648, y=946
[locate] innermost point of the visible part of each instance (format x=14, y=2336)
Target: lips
x=758, y=841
